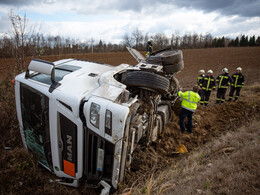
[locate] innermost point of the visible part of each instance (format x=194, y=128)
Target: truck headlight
x=94, y=114
x=108, y=123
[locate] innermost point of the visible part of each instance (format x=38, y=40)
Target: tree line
x=27, y=40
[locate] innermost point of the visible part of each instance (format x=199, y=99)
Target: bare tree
x=127, y=41
x=177, y=39
x=195, y=40
x=19, y=24
x=208, y=40
x=138, y=37
x=201, y=40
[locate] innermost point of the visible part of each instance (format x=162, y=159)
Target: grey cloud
x=15, y=2
x=248, y=8
x=18, y=3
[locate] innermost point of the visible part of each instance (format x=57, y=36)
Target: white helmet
x=202, y=72
x=225, y=70
x=151, y=39
x=240, y=69
x=210, y=71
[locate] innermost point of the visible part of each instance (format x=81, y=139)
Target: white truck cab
x=82, y=120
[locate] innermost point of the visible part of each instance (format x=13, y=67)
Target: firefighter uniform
x=223, y=82
x=236, y=85
x=189, y=105
x=199, y=81
x=207, y=84
x=149, y=48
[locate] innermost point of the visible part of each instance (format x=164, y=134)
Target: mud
x=209, y=122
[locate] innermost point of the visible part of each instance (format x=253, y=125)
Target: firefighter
x=223, y=82
x=200, y=77
x=189, y=105
x=237, y=84
x=207, y=84
x=149, y=47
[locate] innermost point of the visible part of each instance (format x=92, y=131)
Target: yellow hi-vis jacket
x=189, y=100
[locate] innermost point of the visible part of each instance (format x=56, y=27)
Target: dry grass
x=227, y=165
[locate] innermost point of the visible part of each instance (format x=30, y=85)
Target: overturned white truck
x=82, y=120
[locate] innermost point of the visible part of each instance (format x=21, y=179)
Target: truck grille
x=93, y=142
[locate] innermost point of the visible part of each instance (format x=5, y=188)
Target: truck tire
x=171, y=60
x=165, y=57
x=174, y=68
x=147, y=80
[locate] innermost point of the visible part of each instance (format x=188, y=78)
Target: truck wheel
x=147, y=80
x=174, y=68
x=165, y=57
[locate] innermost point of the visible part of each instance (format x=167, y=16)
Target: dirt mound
x=209, y=122
x=228, y=164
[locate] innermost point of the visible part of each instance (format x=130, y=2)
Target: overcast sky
x=111, y=20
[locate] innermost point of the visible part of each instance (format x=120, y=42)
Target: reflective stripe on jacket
x=208, y=83
x=189, y=100
x=238, y=80
x=200, y=79
x=224, y=80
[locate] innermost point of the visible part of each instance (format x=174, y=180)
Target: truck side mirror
x=43, y=67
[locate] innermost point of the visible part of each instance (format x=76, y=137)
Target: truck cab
x=82, y=120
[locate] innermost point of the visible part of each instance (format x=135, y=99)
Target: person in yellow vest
x=189, y=105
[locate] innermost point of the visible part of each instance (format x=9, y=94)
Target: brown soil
x=20, y=173
x=209, y=123
x=194, y=59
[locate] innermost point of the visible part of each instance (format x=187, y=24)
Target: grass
x=227, y=165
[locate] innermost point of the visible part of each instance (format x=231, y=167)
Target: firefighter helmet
x=202, y=72
x=151, y=39
x=240, y=69
x=210, y=71
x=225, y=70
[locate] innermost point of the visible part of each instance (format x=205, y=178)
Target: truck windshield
x=35, y=117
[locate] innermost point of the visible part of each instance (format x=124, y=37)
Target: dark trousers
x=232, y=90
x=205, y=97
x=221, y=92
x=186, y=113
x=199, y=93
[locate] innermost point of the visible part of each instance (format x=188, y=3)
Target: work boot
x=217, y=102
x=205, y=104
